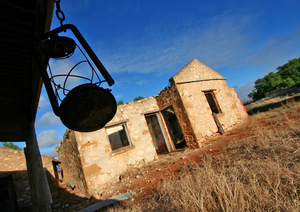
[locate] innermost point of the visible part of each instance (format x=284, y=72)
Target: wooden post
x=41, y=196
x=219, y=125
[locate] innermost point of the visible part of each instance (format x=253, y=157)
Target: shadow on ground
x=64, y=198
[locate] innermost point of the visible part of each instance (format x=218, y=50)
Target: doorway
x=174, y=128
x=157, y=134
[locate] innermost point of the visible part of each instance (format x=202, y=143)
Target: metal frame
x=43, y=62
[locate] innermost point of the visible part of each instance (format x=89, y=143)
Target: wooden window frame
x=123, y=124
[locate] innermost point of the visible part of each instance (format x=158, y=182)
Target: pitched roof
x=196, y=71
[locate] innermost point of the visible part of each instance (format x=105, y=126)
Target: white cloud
x=141, y=82
x=218, y=42
x=48, y=138
x=44, y=101
x=52, y=153
x=244, y=90
x=48, y=119
x=230, y=39
x=118, y=96
x=275, y=51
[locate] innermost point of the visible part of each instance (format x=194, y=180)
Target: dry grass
x=259, y=173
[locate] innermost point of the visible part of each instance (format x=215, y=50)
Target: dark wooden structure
x=8, y=199
x=23, y=22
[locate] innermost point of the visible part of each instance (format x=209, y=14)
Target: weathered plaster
x=100, y=163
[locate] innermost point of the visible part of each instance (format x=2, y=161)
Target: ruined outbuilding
x=197, y=104
x=14, y=180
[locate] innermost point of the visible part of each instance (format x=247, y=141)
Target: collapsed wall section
x=13, y=163
x=14, y=160
x=71, y=166
x=170, y=97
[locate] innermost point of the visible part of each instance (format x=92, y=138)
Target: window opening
x=214, y=106
x=118, y=136
x=212, y=101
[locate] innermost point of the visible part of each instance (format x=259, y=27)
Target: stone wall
x=199, y=111
x=100, y=163
x=71, y=167
x=170, y=96
x=284, y=92
x=13, y=162
x=192, y=81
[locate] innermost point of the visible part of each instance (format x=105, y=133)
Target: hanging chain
x=59, y=14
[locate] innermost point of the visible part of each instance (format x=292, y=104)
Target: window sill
x=121, y=150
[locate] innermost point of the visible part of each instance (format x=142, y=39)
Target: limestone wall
x=170, y=96
x=198, y=109
x=71, y=166
x=102, y=165
x=13, y=162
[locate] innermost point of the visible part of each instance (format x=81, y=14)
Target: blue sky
x=143, y=43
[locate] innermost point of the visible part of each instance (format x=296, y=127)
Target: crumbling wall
x=101, y=164
x=14, y=162
x=71, y=165
x=170, y=97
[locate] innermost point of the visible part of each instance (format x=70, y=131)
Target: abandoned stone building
x=197, y=104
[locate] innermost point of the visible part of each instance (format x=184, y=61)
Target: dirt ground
x=142, y=182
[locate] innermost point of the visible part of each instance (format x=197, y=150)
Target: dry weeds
x=259, y=173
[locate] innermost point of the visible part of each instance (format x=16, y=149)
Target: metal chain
x=59, y=14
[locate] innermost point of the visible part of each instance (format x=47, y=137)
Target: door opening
x=157, y=134
x=174, y=128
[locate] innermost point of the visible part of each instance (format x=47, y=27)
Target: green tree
x=290, y=71
x=120, y=102
x=138, y=98
x=11, y=145
x=286, y=76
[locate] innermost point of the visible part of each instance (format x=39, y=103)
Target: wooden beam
x=41, y=196
x=219, y=125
